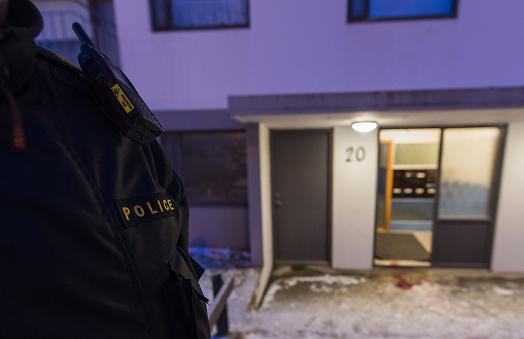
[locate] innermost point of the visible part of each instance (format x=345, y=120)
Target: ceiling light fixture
x=364, y=126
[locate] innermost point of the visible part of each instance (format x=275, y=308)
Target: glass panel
x=408, y=163
x=383, y=9
x=412, y=187
x=160, y=16
x=358, y=9
x=211, y=164
x=209, y=13
x=468, y=163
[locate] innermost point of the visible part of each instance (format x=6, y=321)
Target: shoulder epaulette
x=56, y=60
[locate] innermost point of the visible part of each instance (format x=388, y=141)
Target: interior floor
x=390, y=253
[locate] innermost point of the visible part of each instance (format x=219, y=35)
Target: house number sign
x=355, y=154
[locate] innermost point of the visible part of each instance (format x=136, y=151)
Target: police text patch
x=141, y=210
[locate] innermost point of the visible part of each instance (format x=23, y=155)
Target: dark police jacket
x=93, y=226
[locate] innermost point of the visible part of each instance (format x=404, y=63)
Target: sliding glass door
x=467, y=189
x=436, y=198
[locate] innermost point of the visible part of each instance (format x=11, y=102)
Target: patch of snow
x=209, y=257
x=318, y=284
x=319, y=288
x=502, y=291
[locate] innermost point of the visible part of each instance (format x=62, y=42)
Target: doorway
x=300, y=175
x=436, y=201
x=407, y=184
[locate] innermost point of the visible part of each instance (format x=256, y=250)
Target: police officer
x=93, y=225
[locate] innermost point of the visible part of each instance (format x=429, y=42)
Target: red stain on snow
x=402, y=283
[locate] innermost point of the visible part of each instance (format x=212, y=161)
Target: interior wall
x=416, y=154
x=267, y=225
x=354, y=198
x=508, y=251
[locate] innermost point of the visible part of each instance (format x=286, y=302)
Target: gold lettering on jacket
x=148, y=208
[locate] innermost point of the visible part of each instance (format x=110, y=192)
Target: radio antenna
x=82, y=35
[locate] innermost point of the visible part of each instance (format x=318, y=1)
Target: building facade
x=260, y=98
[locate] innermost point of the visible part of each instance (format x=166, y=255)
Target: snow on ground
x=317, y=284
x=378, y=304
x=220, y=257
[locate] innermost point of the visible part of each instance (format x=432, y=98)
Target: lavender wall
x=306, y=46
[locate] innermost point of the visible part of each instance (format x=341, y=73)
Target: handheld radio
x=119, y=99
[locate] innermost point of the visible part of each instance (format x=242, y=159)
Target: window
x=199, y=14
x=375, y=10
x=211, y=164
x=57, y=34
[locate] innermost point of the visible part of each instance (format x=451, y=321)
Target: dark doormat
x=399, y=246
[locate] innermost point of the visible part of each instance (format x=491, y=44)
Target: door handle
x=278, y=203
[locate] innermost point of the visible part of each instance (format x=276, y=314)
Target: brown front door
x=300, y=172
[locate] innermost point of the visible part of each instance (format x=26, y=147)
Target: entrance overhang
x=389, y=108
x=429, y=118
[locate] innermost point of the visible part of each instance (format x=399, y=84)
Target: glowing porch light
x=364, y=126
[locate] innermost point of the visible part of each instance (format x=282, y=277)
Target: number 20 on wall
x=357, y=154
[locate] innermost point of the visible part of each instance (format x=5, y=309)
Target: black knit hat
x=23, y=20
x=17, y=46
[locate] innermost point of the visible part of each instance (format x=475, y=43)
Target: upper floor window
x=376, y=10
x=199, y=14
